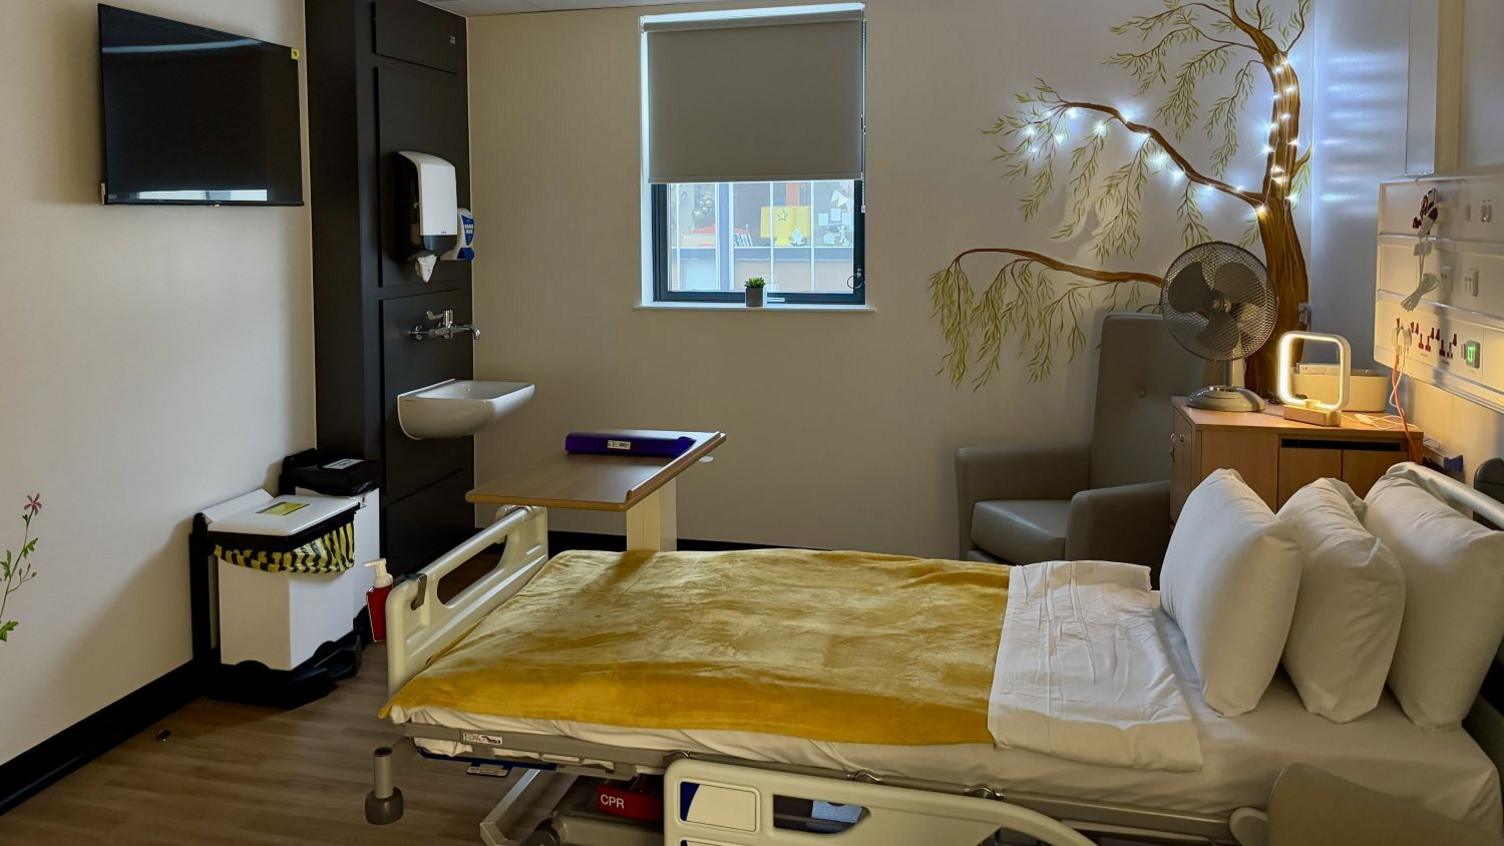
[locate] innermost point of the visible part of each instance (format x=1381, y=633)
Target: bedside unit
x=1275, y=456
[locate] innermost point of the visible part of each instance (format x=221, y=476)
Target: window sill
x=823, y=308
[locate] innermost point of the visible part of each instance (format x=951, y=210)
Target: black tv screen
x=195, y=116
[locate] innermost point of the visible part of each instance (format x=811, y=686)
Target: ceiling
x=505, y=7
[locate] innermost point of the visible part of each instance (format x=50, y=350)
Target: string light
x=1177, y=174
x=1294, y=198
x=1284, y=116
x=1276, y=169
x=1101, y=128
x=1261, y=210
x=1071, y=113
x=1294, y=142
x=1033, y=151
x=1291, y=89
x=1278, y=180
x=1160, y=160
x=1029, y=131
x=1268, y=149
x=1060, y=137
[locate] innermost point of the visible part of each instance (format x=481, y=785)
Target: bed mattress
x=1444, y=771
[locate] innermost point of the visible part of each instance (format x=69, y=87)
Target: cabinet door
x=1183, y=470
x=1362, y=467
x=1254, y=454
x=1300, y=466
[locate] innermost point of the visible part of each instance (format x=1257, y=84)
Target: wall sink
x=455, y=408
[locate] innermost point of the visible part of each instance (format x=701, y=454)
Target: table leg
x=653, y=524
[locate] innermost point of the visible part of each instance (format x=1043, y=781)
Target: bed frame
x=898, y=810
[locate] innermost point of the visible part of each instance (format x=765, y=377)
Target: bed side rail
x=1451, y=491
x=419, y=626
x=710, y=802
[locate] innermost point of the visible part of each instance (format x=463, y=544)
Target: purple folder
x=621, y=443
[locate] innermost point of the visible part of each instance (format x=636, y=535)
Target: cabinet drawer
x=1300, y=466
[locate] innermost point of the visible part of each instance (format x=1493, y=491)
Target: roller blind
x=761, y=98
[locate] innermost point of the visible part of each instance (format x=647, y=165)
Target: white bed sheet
x=1444, y=771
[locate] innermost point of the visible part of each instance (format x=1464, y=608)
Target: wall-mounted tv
x=193, y=116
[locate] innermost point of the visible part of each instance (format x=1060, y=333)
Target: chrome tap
x=443, y=326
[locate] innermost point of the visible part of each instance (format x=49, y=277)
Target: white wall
x=841, y=433
x=1366, y=50
x=155, y=360
x=1482, y=132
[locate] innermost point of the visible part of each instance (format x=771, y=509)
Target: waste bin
x=315, y=472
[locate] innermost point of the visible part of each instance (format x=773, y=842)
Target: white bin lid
x=284, y=516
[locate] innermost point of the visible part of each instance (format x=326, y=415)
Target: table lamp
x=1306, y=409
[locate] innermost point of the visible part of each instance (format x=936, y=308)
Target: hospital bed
x=949, y=795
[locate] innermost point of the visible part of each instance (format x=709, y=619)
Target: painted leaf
x=6, y=628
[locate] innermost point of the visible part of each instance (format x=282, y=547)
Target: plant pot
x=754, y=297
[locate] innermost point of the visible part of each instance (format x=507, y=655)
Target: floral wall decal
x=17, y=567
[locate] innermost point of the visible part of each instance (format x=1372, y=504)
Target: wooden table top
x=594, y=482
x=1273, y=418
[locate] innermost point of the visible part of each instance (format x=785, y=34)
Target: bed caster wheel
x=386, y=811
x=544, y=836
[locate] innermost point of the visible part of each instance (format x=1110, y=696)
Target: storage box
x=1367, y=392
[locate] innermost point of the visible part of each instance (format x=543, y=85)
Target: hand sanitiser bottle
x=376, y=599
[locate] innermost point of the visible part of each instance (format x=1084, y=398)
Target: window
x=804, y=238
x=754, y=141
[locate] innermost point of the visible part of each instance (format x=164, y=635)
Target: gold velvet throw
x=848, y=647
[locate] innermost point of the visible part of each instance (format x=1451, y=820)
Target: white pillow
x=1352, y=598
x=1229, y=581
x=1454, y=600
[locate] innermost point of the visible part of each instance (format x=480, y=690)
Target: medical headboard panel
x=1454, y=338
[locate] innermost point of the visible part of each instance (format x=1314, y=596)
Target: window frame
x=857, y=296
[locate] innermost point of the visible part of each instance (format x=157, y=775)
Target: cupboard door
x=1362, y=467
x=421, y=34
x=1254, y=454
x=1300, y=466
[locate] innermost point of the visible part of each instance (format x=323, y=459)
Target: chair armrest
x=986, y=473
x=1311, y=807
x=1125, y=523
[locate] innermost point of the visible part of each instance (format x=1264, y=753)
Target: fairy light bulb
x=1033, y=151
x=1276, y=169
x=1294, y=198
x=1294, y=142
x=1261, y=210
x=1291, y=89
x=1029, y=131
x=1268, y=149
x=1060, y=137
x=1071, y=113
x=1284, y=116
x=1101, y=128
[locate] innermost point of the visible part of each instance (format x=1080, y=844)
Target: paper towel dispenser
x=429, y=221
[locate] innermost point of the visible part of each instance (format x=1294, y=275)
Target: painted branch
x=1066, y=267
x=1164, y=143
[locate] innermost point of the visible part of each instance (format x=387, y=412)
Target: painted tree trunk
x=1287, y=272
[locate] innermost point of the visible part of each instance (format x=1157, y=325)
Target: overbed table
x=642, y=487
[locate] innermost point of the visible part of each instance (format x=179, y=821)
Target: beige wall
x=155, y=360
x=841, y=433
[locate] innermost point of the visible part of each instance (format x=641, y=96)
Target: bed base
x=420, y=626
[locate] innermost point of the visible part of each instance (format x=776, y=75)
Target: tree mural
x=1041, y=300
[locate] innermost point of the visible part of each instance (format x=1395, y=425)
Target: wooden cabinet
x=1275, y=456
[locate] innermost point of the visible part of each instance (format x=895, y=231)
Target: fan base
x=1226, y=398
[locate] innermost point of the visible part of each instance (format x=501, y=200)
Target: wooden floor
x=235, y=774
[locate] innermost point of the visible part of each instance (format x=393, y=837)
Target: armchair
x=1109, y=499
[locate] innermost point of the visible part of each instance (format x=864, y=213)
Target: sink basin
x=455, y=408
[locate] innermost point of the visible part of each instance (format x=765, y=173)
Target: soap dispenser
x=376, y=599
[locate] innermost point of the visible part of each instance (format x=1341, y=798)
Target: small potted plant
x=754, y=288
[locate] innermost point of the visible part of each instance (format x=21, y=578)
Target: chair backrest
x=1139, y=368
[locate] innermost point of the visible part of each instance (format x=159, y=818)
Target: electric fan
x=1218, y=303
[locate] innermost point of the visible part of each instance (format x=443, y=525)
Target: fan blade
x=1189, y=292
x=1239, y=283
x=1221, y=334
